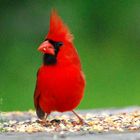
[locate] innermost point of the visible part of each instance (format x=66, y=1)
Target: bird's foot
x=82, y=122
x=43, y=122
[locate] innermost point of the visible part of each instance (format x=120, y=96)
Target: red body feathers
x=60, y=80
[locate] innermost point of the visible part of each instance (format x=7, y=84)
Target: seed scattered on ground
x=94, y=123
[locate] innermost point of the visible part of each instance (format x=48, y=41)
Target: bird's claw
x=82, y=122
x=43, y=122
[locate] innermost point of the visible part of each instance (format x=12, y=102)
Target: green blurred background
x=107, y=37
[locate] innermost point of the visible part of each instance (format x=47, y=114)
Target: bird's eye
x=58, y=44
x=54, y=43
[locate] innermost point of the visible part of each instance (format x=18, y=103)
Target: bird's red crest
x=58, y=30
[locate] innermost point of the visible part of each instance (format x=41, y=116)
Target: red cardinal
x=60, y=80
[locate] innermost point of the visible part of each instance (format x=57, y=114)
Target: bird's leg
x=45, y=117
x=43, y=121
x=81, y=121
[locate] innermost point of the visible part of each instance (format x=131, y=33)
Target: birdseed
x=94, y=123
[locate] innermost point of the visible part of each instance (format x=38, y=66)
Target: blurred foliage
x=107, y=37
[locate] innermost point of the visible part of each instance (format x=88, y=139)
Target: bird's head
x=56, y=38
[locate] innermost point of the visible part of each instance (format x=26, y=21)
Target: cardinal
x=60, y=80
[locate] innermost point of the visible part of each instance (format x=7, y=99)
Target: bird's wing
x=39, y=111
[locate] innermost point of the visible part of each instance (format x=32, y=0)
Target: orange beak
x=47, y=48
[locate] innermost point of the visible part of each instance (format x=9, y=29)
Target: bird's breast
x=63, y=86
